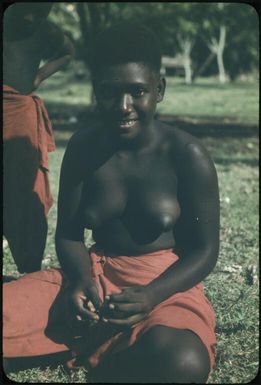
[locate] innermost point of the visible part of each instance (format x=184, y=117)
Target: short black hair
x=123, y=43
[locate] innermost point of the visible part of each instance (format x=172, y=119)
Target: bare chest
x=132, y=190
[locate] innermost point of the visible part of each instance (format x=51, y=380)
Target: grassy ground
x=233, y=286
x=207, y=98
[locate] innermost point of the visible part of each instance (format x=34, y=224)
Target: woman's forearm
x=51, y=67
x=75, y=261
x=182, y=275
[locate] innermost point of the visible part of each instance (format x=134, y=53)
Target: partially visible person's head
x=125, y=42
x=24, y=18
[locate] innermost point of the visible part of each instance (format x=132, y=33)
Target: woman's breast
x=147, y=204
x=153, y=206
x=104, y=199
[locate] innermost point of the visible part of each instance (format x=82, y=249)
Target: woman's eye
x=138, y=93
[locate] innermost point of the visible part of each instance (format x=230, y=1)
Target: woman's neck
x=145, y=141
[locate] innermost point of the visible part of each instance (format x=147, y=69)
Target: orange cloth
x=27, y=138
x=34, y=317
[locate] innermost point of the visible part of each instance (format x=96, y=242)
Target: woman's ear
x=161, y=89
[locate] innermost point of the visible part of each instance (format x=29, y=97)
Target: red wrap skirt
x=35, y=320
x=27, y=137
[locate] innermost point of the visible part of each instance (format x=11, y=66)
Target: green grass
x=237, y=102
x=233, y=286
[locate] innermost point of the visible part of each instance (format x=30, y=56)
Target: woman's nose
x=125, y=103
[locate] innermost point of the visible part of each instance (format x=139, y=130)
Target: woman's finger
x=125, y=308
x=94, y=297
x=91, y=307
x=129, y=321
x=123, y=296
x=84, y=312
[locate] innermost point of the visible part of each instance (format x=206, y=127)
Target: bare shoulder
x=82, y=141
x=189, y=153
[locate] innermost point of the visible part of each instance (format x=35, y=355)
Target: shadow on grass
x=216, y=86
x=81, y=116
x=210, y=126
x=207, y=126
x=62, y=143
x=228, y=161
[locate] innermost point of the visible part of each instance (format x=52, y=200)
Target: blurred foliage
x=196, y=22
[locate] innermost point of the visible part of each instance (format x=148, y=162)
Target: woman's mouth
x=125, y=124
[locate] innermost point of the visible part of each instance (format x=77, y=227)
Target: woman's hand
x=83, y=305
x=128, y=307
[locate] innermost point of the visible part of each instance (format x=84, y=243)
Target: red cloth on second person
x=27, y=138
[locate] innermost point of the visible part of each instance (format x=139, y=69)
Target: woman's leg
x=27, y=235
x=161, y=355
x=34, y=323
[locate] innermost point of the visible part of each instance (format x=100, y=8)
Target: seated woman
x=134, y=301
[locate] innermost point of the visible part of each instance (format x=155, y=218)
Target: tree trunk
x=91, y=23
x=85, y=29
x=222, y=74
x=221, y=46
x=95, y=18
x=188, y=70
x=186, y=47
x=217, y=47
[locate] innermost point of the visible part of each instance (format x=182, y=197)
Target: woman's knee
x=176, y=355
x=191, y=363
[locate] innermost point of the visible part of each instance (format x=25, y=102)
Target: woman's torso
x=21, y=60
x=130, y=201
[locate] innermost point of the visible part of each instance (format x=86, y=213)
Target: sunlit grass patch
x=50, y=375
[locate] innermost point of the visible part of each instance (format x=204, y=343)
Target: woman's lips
x=126, y=124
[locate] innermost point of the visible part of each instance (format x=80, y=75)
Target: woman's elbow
x=211, y=253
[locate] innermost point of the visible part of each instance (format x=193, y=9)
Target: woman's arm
x=197, y=230
x=69, y=238
x=61, y=52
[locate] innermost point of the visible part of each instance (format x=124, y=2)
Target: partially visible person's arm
x=62, y=54
x=69, y=238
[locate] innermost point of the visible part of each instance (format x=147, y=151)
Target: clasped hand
x=126, y=308
x=83, y=304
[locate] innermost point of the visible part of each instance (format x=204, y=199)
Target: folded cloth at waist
x=25, y=116
x=47, y=332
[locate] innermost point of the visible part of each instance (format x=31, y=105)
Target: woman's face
x=127, y=95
